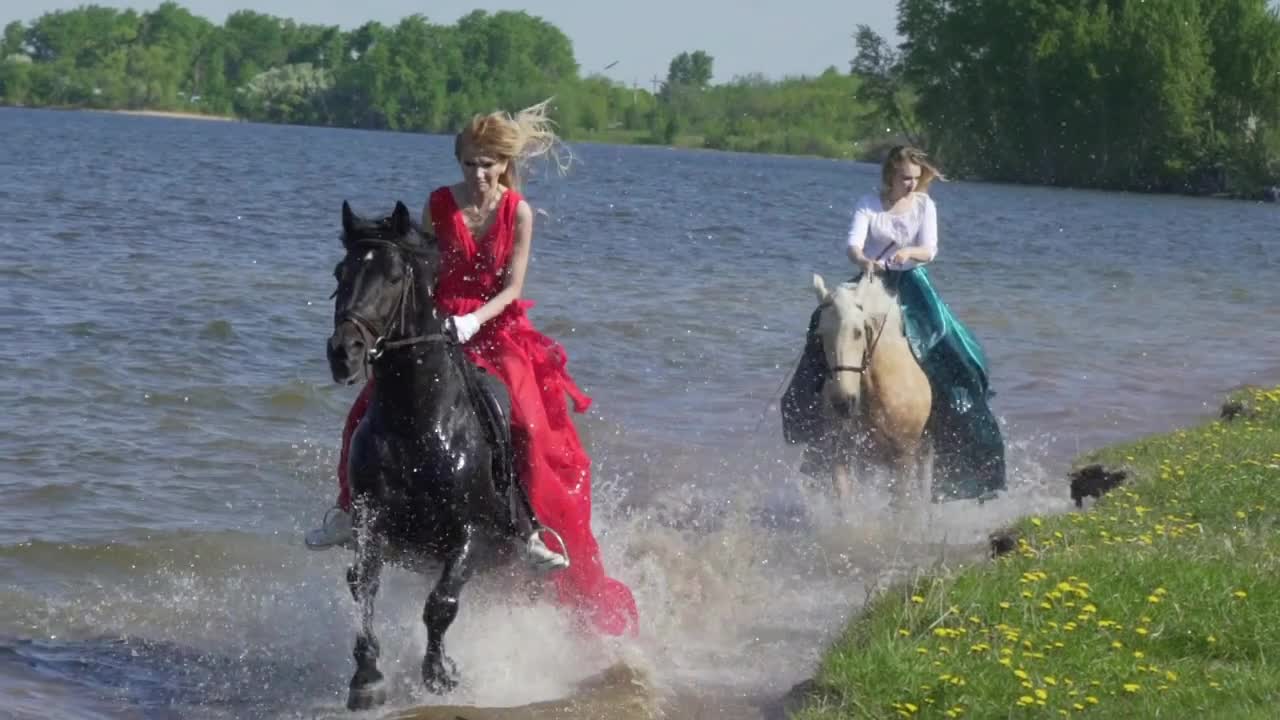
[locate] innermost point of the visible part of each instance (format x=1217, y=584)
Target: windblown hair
x=515, y=138
x=900, y=155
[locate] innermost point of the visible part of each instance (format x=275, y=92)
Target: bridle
x=871, y=347
x=867, y=352
x=375, y=337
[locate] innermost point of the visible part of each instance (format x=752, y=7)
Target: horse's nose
x=843, y=407
x=353, y=346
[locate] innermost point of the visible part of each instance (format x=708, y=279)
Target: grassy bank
x=1162, y=600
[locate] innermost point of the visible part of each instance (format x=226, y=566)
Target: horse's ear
x=349, y=220
x=401, y=220
x=820, y=288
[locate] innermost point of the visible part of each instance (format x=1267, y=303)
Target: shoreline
x=171, y=114
x=1135, y=601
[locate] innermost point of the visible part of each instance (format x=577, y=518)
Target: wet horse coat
x=429, y=471
x=876, y=400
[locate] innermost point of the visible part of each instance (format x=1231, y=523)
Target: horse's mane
x=870, y=296
x=417, y=241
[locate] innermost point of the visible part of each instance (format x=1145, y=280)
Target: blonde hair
x=900, y=155
x=514, y=138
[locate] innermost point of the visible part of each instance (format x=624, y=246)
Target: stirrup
x=551, y=560
x=330, y=533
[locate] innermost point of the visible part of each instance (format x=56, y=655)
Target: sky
x=772, y=37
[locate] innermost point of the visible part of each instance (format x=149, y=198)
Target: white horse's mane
x=868, y=294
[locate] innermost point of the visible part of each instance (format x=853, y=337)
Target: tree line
x=413, y=75
x=1163, y=95
x=1159, y=95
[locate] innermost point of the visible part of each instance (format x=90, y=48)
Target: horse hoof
x=441, y=677
x=367, y=697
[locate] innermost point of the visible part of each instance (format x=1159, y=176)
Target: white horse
x=876, y=397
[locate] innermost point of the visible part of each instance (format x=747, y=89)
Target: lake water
x=170, y=426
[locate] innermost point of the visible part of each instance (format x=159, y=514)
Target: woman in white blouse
x=894, y=232
x=896, y=228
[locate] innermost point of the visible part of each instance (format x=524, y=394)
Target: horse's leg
x=438, y=672
x=367, y=689
x=924, y=469
x=905, y=465
x=840, y=478
x=841, y=468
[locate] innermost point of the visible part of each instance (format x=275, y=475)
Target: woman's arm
x=517, y=268
x=858, y=239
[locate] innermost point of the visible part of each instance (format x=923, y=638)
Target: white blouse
x=880, y=234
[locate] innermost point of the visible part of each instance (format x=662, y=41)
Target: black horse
x=430, y=464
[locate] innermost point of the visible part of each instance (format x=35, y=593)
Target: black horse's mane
x=387, y=229
x=381, y=231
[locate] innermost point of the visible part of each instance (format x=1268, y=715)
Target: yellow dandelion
x=1141, y=631
x=1240, y=594
x=917, y=599
x=1042, y=694
x=1131, y=687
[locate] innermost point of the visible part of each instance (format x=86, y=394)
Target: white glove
x=465, y=326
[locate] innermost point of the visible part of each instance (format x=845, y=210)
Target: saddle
x=492, y=401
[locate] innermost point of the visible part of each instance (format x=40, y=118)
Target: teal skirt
x=968, y=446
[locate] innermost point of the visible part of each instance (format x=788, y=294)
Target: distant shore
x=173, y=114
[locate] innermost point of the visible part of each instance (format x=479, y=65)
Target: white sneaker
x=335, y=530
x=543, y=558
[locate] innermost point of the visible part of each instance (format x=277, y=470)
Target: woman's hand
x=870, y=267
x=904, y=255
x=465, y=327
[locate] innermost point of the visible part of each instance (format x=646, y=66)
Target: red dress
x=551, y=461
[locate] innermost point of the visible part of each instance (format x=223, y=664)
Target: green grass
x=1162, y=600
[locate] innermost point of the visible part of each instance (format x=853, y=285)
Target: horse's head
x=851, y=318
x=384, y=288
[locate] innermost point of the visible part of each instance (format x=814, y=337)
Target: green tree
x=290, y=93
x=14, y=40
x=1166, y=95
x=878, y=67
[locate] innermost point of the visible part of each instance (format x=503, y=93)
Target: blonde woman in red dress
x=485, y=231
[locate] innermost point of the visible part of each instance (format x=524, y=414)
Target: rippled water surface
x=170, y=427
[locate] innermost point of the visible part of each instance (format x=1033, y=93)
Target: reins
x=405, y=305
